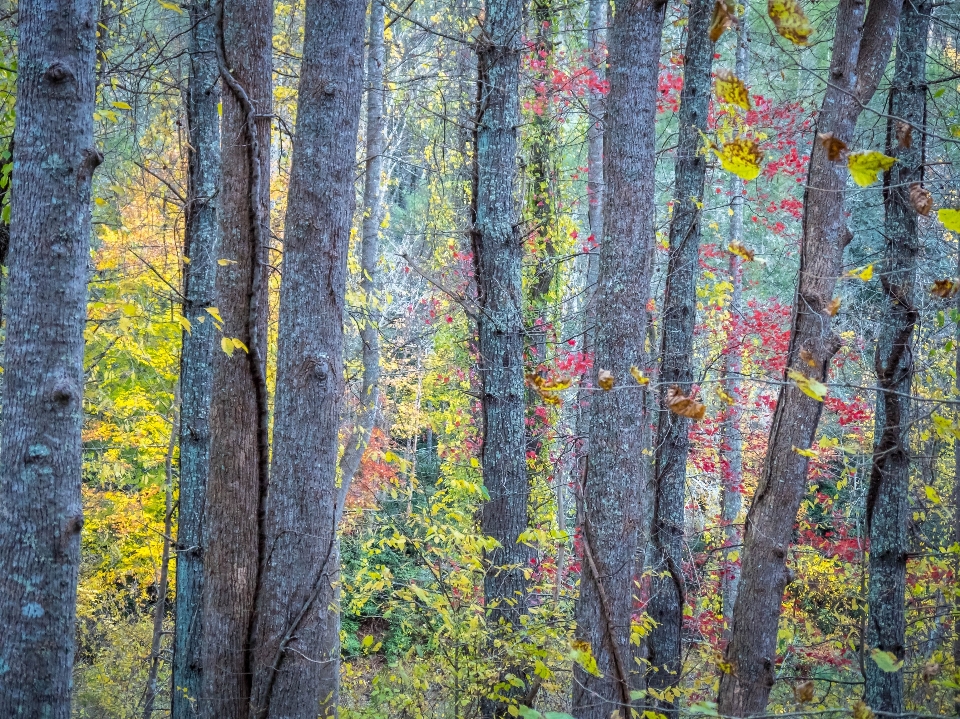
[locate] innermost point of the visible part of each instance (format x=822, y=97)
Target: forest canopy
x=423, y=359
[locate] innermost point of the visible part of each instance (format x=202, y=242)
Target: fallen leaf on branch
x=639, y=376
x=945, y=289
x=790, y=20
x=861, y=273
x=681, y=404
x=807, y=385
x=722, y=20
x=741, y=250
x=905, y=134
x=834, y=146
x=807, y=356
x=731, y=89
x=865, y=167
x=833, y=307
x=605, y=380
x=921, y=199
x=742, y=157
x=803, y=692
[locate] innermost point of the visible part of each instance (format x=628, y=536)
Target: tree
x=861, y=48
x=887, y=500
x=609, y=495
x=668, y=593
x=497, y=256
x=41, y=515
x=297, y=645
x=201, y=246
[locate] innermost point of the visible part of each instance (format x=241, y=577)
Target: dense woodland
x=423, y=359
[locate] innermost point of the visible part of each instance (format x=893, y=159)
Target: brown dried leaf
x=741, y=251
x=834, y=146
x=862, y=711
x=945, y=289
x=681, y=404
x=833, y=307
x=921, y=199
x=605, y=380
x=905, y=134
x=930, y=670
x=722, y=20
x=807, y=356
x=803, y=692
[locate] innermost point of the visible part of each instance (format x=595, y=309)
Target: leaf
x=863, y=273
x=605, y=380
x=741, y=251
x=215, y=313
x=807, y=356
x=528, y=713
x=224, y=262
x=833, y=307
x=185, y=323
x=186, y=260
x=932, y=494
x=742, y=157
x=226, y=344
x=239, y=345
x=865, y=167
x=834, y=146
x=921, y=199
x=905, y=134
x=805, y=452
x=557, y=715
x=950, y=218
x=639, y=376
x=170, y=6
x=725, y=396
x=862, y=711
x=945, y=289
x=367, y=641
x=722, y=20
x=810, y=387
x=789, y=19
x=731, y=89
x=682, y=405
x=121, y=105
x=887, y=661
x=803, y=692
x=581, y=653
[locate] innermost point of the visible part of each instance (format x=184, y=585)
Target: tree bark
x=887, y=499
x=201, y=247
x=297, y=647
x=667, y=594
x=40, y=472
x=369, y=259
x=498, y=253
x=731, y=498
x=861, y=48
x=610, y=498
x=232, y=532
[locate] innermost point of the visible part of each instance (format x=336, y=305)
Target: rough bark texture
x=731, y=498
x=861, y=48
x=201, y=246
x=369, y=259
x=498, y=252
x=231, y=537
x=611, y=506
x=41, y=514
x=297, y=647
x=676, y=356
x=887, y=498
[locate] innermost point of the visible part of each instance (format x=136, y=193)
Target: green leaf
x=528, y=713
x=557, y=715
x=887, y=661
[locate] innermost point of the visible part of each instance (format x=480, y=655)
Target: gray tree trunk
x=731, y=498
x=498, y=253
x=40, y=471
x=297, y=645
x=232, y=531
x=887, y=499
x=201, y=246
x=369, y=259
x=610, y=498
x=861, y=48
x=667, y=591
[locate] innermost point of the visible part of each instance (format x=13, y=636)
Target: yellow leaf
x=605, y=380
x=121, y=105
x=950, y=218
x=215, y=313
x=863, y=273
x=741, y=251
x=224, y=263
x=742, y=157
x=639, y=376
x=725, y=396
x=865, y=167
x=226, y=344
x=731, y=89
x=99, y=201
x=932, y=494
x=239, y=345
x=805, y=452
x=810, y=387
x=789, y=19
x=170, y=6
x=186, y=260
x=185, y=323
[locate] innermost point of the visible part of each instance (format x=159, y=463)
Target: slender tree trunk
x=232, y=531
x=676, y=356
x=731, y=498
x=201, y=247
x=498, y=252
x=369, y=258
x=40, y=471
x=861, y=48
x=610, y=497
x=297, y=646
x=887, y=499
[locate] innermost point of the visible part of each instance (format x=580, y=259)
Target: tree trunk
x=498, y=253
x=369, y=259
x=201, y=247
x=610, y=497
x=887, y=498
x=731, y=498
x=232, y=532
x=40, y=472
x=676, y=356
x=861, y=48
x=297, y=646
